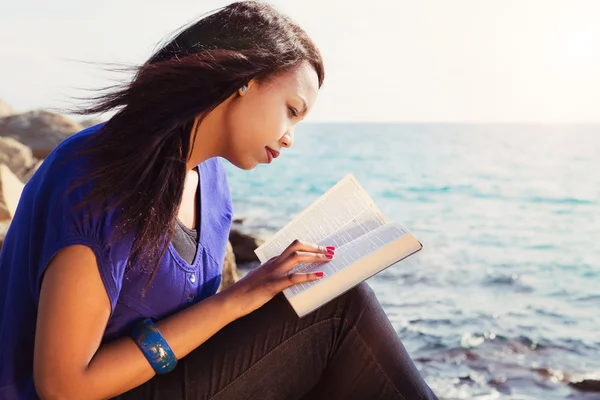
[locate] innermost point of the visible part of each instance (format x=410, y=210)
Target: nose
x=287, y=140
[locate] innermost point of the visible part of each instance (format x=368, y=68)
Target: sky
x=385, y=60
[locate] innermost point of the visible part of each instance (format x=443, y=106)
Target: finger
x=293, y=279
x=272, y=259
x=298, y=245
x=301, y=257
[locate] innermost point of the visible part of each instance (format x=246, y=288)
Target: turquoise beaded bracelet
x=154, y=346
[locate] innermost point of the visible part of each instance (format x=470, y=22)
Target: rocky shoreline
x=27, y=138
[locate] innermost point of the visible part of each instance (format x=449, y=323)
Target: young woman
x=109, y=272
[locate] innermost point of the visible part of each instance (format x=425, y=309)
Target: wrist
x=229, y=303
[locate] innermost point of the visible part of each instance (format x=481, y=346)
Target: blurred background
x=474, y=123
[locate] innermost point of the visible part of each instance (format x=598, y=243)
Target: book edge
x=325, y=289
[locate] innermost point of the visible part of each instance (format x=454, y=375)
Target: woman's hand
x=263, y=283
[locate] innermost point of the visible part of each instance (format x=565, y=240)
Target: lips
x=271, y=154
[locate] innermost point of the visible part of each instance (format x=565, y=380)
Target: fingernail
x=320, y=274
x=331, y=248
x=329, y=255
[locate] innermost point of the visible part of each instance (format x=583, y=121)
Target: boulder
x=243, y=246
x=90, y=122
x=40, y=130
x=230, y=274
x=16, y=156
x=5, y=109
x=587, y=385
x=3, y=229
x=27, y=176
x=10, y=193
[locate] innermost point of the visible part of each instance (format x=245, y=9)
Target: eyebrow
x=304, y=106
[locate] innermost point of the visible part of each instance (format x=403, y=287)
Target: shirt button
x=193, y=278
x=190, y=298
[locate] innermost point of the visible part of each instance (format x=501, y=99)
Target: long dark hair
x=138, y=158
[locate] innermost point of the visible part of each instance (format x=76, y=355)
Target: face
x=265, y=115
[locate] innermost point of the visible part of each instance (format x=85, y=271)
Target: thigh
x=268, y=354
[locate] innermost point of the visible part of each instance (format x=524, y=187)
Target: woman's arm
x=69, y=362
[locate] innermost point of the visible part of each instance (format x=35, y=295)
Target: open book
x=366, y=243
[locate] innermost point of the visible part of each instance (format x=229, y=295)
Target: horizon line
x=459, y=122
x=80, y=118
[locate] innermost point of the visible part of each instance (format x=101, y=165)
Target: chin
x=246, y=164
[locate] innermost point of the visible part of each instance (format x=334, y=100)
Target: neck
x=208, y=141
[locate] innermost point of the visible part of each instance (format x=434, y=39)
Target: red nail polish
x=319, y=274
x=329, y=255
x=331, y=248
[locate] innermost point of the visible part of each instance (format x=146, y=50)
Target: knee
x=361, y=297
x=363, y=291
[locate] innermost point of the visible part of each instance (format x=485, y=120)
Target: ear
x=244, y=89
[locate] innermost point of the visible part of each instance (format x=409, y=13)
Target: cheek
x=264, y=121
x=252, y=123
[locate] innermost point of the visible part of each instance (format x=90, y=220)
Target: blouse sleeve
x=63, y=221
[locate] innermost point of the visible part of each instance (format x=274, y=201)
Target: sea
x=503, y=302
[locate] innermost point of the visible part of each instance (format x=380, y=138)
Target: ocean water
x=503, y=302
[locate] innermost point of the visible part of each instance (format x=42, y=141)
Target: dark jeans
x=347, y=349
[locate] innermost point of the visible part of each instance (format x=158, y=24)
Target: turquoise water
x=504, y=300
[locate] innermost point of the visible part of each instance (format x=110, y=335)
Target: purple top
x=47, y=221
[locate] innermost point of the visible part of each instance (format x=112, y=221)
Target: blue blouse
x=47, y=220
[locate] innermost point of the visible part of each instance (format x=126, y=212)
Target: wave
x=513, y=280
x=472, y=191
x=559, y=200
x=535, y=199
x=489, y=363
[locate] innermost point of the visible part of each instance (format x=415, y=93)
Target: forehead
x=302, y=80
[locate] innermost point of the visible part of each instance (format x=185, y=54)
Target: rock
x=27, y=176
x=90, y=122
x=239, y=221
x=587, y=385
x=5, y=109
x=230, y=274
x=41, y=131
x=243, y=246
x=16, y=156
x=10, y=193
x=3, y=229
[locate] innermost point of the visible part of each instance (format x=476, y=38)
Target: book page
x=350, y=253
x=339, y=216
x=366, y=222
